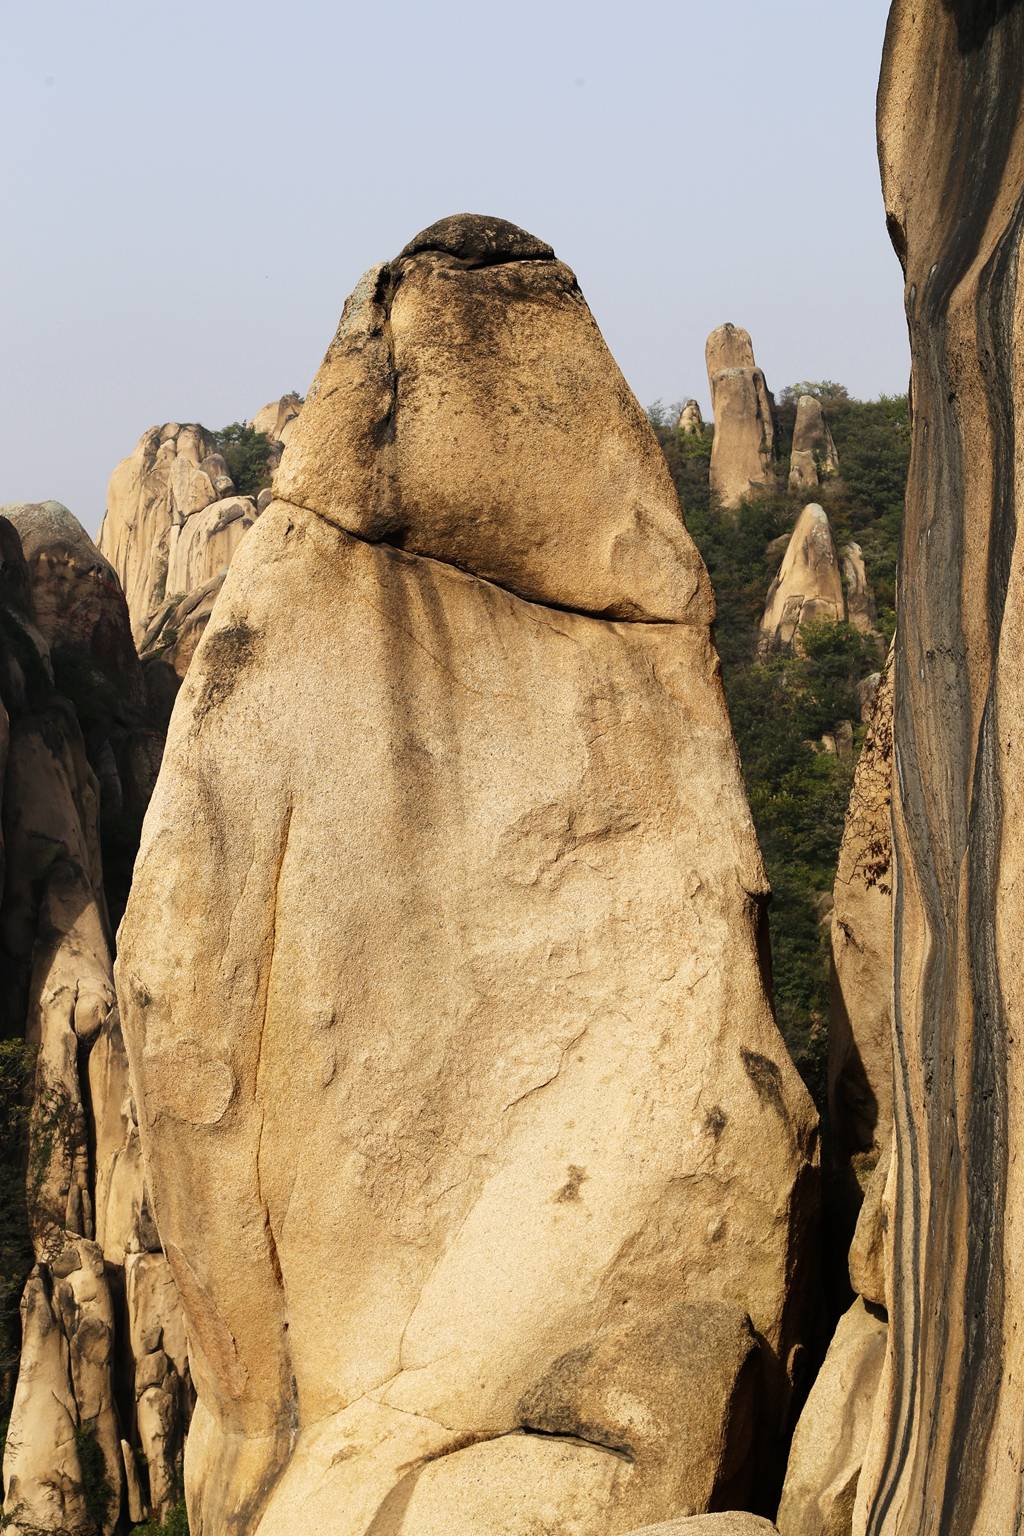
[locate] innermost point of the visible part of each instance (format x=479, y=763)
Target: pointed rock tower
x=742, y=458
x=814, y=457
x=478, y=1157
x=808, y=588
x=691, y=421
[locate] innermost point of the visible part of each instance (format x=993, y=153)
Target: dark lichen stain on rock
x=767, y=1080
x=570, y=1190
x=715, y=1121
x=226, y=653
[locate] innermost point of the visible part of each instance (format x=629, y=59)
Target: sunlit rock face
x=946, y=1452
x=813, y=457
x=480, y=1165
x=808, y=588
x=743, y=452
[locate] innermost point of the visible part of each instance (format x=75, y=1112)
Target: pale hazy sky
x=189, y=191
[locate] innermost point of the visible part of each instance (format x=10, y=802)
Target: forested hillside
x=783, y=704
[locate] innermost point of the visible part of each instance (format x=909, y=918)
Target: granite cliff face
x=946, y=1451
x=103, y=1374
x=482, y=1170
x=860, y=1033
x=742, y=457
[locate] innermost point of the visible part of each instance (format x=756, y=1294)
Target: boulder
x=867, y=1263
x=828, y=1446
x=743, y=453
x=814, y=456
x=691, y=421
x=42, y=1471
x=860, y=600
x=946, y=1452
x=808, y=588
x=446, y=1149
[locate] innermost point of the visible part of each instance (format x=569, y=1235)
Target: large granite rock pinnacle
x=808, y=588
x=814, y=457
x=947, y=1452
x=480, y=1165
x=742, y=456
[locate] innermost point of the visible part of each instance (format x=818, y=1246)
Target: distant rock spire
x=814, y=455
x=691, y=421
x=808, y=588
x=742, y=459
x=860, y=600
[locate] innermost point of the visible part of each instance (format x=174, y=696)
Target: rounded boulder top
x=478, y=240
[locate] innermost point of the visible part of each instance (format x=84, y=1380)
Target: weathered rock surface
x=867, y=1262
x=946, y=1452
x=828, y=1446
x=711, y=1525
x=275, y=419
x=814, y=457
x=85, y=1203
x=743, y=453
x=201, y=547
x=808, y=588
x=860, y=1026
x=501, y=1114
x=173, y=473
x=169, y=644
x=79, y=607
x=691, y=420
x=860, y=600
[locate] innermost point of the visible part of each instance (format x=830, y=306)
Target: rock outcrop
x=174, y=472
x=814, y=457
x=691, y=420
x=808, y=588
x=946, y=1451
x=743, y=453
x=78, y=605
x=276, y=420
x=828, y=1447
x=480, y=1165
x=68, y=673
x=860, y=1027
x=860, y=600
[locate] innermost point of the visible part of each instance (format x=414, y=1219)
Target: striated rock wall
x=946, y=1452
x=743, y=452
x=481, y=1167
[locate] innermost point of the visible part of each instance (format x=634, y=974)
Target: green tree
x=247, y=454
